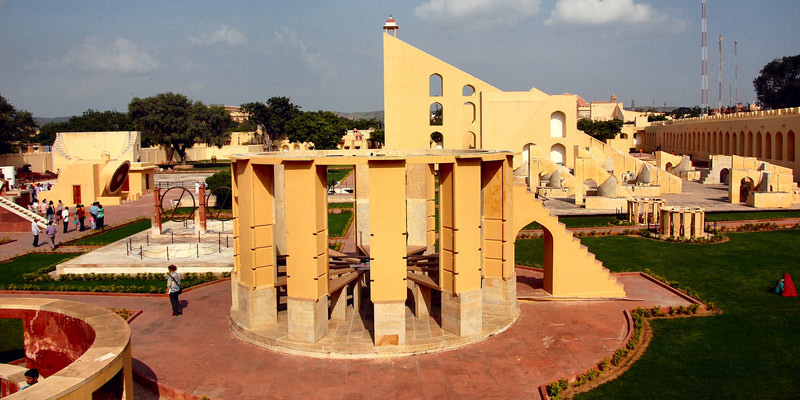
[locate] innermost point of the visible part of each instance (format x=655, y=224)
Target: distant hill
x=42, y=120
x=361, y=115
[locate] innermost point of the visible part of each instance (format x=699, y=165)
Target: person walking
x=174, y=289
x=65, y=218
x=101, y=216
x=51, y=212
x=93, y=214
x=36, y=231
x=59, y=209
x=80, y=214
x=51, y=233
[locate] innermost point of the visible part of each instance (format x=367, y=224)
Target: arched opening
x=779, y=146
x=435, y=85
x=637, y=139
x=623, y=135
x=467, y=90
x=558, y=153
x=557, y=126
x=669, y=167
x=749, y=150
x=437, y=140
x=759, y=146
x=767, y=146
x=790, y=152
x=469, y=140
x=436, y=114
x=469, y=111
x=740, y=145
x=745, y=188
x=725, y=176
x=727, y=144
x=285, y=147
x=714, y=143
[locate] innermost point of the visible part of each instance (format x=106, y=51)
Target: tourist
x=80, y=214
x=65, y=218
x=101, y=216
x=43, y=207
x=93, y=215
x=51, y=212
x=31, y=378
x=197, y=188
x=51, y=233
x=174, y=288
x=36, y=231
x=34, y=207
x=59, y=209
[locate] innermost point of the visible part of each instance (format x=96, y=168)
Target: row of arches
x=436, y=111
x=435, y=87
x=468, y=141
x=768, y=146
x=558, y=153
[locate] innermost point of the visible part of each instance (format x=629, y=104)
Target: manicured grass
x=580, y=222
x=339, y=223
x=338, y=174
x=11, y=343
x=11, y=277
x=748, y=215
x=112, y=235
x=749, y=351
x=341, y=205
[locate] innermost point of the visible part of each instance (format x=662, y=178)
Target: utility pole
x=736, y=70
x=719, y=99
x=703, y=64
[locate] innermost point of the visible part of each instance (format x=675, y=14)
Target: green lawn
x=338, y=174
x=338, y=223
x=750, y=351
x=11, y=277
x=11, y=343
x=341, y=205
x=604, y=220
x=580, y=222
x=112, y=235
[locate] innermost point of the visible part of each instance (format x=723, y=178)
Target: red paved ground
x=198, y=355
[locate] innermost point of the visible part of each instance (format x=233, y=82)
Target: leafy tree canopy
x=273, y=116
x=378, y=137
x=778, y=83
x=324, y=128
x=89, y=121
x=15, y=126
x=175, y=123
x=686, y=112
x=600, y=130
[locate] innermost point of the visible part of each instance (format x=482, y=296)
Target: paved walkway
x=196, y=353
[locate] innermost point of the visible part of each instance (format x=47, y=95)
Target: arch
x=436, y=114
x=467, y=90
x=623, y=135
x=437, y=140
x=726, y=145
x=725, y=176
x=740, y=144
x=714, y=143
x=435, y=85
x=746, y=186
x=749, y=145
x=668, y=167
x=779, y=146
x=767, y=146
x=759, y=146
x=637, y=139
x=469, y=140
x=297, y=146
x=526, y=152
x=469, y=110
x=558, y=153
x=557, y=125
x=790, y=144
x=285, y=147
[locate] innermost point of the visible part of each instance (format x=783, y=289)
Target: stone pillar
x=307, y=250
x=387, y=236
x=253, y=281
x=200, y=215
x=499, y=279
x=361, y=202
x=155, y=228
x=460, y=246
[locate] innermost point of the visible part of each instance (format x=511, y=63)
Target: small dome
x=390, y=22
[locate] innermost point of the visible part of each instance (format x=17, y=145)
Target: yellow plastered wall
x=75, y=146
x=498, y=229
x=387, y=230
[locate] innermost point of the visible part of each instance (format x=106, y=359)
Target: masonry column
x=460, y=246
x=388, y=267
x=417, y=205
x=307, y=248
x=253, y=281
x=361, y=198
x=499, y=278
x=155, y=229
x=200, y=215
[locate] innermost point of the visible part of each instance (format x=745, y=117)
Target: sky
x=60, y=58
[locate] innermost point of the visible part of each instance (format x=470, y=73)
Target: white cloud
x=224, y=34
x=599, y=12
x=119, y=56
x=479, y=12
x=289, y=37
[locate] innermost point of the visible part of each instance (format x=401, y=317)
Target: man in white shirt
x=65, y=218
x=36, y=231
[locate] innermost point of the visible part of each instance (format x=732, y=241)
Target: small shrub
x=618, y=356
x=604, y=364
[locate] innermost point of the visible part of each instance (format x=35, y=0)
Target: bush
x=618, y=356
x=221, y=179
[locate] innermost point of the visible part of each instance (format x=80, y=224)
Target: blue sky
x=59, y=58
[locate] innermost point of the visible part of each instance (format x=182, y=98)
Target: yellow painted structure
x=761, y=184
x=480, y=212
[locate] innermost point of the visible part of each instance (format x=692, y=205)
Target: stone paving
x=196, y=354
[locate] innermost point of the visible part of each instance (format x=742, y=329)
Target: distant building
x=237, y=115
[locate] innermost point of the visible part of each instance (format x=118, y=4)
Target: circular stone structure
x=403, y=289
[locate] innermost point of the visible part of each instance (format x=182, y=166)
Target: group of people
x=61, y=213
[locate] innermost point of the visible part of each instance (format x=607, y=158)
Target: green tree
x=324, y=128
x=274, y=116
x=89, y=121
x=378, y=138
x=175, y=123
x=686, y=112
x=15, y=126
x=778, y=83
x=600, y=130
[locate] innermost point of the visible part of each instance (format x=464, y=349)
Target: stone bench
x=422, y=286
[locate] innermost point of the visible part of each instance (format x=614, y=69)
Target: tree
x=273, y=116
x=89, y=121
x=686, y=112
x=175, y=123
x=324, y=128
x=15, y=126
x=778, y=83
x=600, y=130
x=378, y=138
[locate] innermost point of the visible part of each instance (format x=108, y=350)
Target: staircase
x=573, y=270
x=23, y=212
